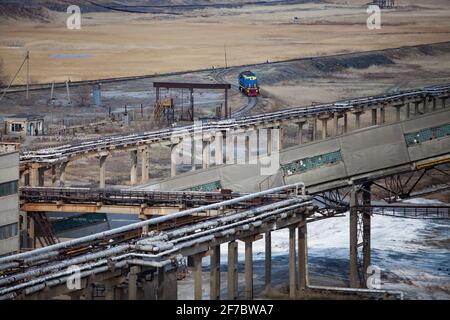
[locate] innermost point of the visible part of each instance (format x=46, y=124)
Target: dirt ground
x=124, y=44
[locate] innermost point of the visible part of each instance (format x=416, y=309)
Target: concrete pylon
x=324, y=128
x=249, y=270
x=134, y=169
x=206, y=153
x=232, y=270
x=354, y=281
x=173, y=160
x=398, y=110
x=35, y=174
x=218, y=142
x=382, y=115
x=358, y=120
x=230, y=156
x=215, y=273
x=268, y=260
x=374, y=117
x=303, y=280
x=133, y=282
x=300, y=131
x=62, y=173
x=366, y=218
x=145, y=164
x=335, y=124
x=269, y=142
x=292, y=265
x=102, y=161
x=198, y=276
x=345, y=122
x=54, y=176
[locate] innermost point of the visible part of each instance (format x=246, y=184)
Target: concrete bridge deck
x=351, y=159
x=34, y=164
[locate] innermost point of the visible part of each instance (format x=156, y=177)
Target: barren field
x=112, y=44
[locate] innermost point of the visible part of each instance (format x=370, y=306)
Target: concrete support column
x=300, y=132
x=408, y=110
x=268, y=260
x=41, y=176
x=31, y=232
x=314, y=130
x=134, y=163
x=173, y=160
x=34, y=175
x=345, y=122
x=249, y=270
x=62, y=173
x=54, y=176
x=133, y=283
x=303, y=281
x=398, y=110
x=374, y=117
x=336, y=125
x=206, y=153
x=198, y=276
x=366, y=198
x=145, y=163
x=232, y=270
x=102, y=159
x=434, y=103
x=161, y=279
x=193, y=153
x=416, y=108
x=382, y=115
x=354, y=282
x=281, y=130
x=230, y=147
x=292, y=266
x=269, y=141
x=215, y=273
x=358, y=120
x=443, y=102
x=425, y=105
x=324, y=128
x=218, y=141
x=247, y=151
x=110, y=292
x=26, y=179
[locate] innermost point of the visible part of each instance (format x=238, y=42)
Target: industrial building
x=9, y=202
x=24, y=125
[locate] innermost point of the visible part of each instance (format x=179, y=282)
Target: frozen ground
x=413, y=255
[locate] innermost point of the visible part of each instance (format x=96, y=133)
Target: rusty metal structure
x=191, y=86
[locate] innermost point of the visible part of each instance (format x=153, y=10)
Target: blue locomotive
x=248, y=84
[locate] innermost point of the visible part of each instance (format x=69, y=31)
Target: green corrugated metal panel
x=207, y=187
x=79, y=221
x=427, y=134
x=306, y=164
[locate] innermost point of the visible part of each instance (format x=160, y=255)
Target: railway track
x=219, y=76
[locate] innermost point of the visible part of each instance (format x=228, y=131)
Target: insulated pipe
x=155, y=264
x=60, y=153
x=64, y=264
x=138, y=225
x=208, y=236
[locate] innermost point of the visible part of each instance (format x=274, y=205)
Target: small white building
x=27, y=125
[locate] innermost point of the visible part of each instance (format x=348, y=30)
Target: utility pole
x=15, y=75
x=225, y=51
x=28, y=72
